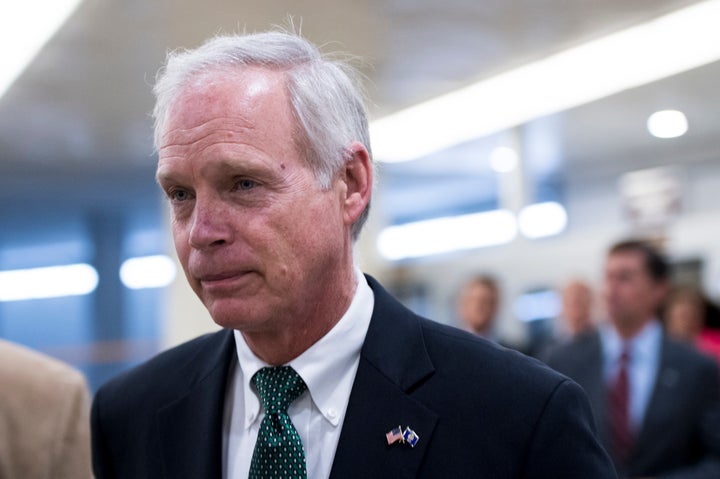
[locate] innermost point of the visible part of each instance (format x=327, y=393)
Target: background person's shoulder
x=23, y=367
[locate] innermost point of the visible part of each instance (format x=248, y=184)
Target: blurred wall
x=596, y=220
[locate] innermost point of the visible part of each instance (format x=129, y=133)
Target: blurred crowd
x=647, y=357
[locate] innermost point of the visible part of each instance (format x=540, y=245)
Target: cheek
x=182, y=246
x=618, y=292
x=179, y=238
x=319, y=222
x=608, y=293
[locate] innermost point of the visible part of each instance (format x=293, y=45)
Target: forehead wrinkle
x=186, y=136
x=222, y=165
x=178, y=151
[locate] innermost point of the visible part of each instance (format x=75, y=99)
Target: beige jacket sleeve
x=44, y=417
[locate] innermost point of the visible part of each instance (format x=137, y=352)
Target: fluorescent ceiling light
x=680, y=41
x=542, y=219
x=50, y=282
x=148, y=272
x=667, y=124
x=25, y=27
x=443, y=235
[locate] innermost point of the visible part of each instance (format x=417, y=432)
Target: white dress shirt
x=328, y=368
x=644, y=350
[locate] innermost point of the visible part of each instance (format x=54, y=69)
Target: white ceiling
x=78, y=117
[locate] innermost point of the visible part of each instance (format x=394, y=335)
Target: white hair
x=325, y=94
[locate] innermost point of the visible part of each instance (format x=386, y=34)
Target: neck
x=321, y=314
x=628, y=330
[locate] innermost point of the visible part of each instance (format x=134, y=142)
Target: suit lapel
x=191, y=426
x=661, y=398
x=593, y=381
x=393, y=362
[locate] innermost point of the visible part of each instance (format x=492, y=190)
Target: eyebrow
x=222, y=167
x=166, y=174
x=162, y=177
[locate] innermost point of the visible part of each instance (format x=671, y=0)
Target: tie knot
x=278, y=387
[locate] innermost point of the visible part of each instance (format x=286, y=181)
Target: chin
x=231, y=315
x=229, y=321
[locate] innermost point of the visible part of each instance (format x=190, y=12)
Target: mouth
x=221, y=276
x=224, y=279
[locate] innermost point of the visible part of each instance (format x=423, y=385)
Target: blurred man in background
x=655, y=400
x=478, y=304
x=44, y=417
x=576, y=308
x=575, y=318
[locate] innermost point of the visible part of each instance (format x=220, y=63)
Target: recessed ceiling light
x=503, y=159
x=148, y=272
x=667, y=124
x=542, y=219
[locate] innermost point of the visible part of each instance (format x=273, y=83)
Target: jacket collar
x=191, y=426
x=393, y=363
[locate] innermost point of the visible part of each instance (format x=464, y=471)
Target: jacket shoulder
x=22, y=367
x=484, y=361
x=581, y=350
x=168, y=373
x=692, y=362
x=531, y=420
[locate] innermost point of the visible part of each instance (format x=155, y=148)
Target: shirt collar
x=326, y=367
x=643, y=344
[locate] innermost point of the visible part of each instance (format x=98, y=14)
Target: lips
x=225, y=279
x=220, y=272
x=226, y=283
x=219, y=277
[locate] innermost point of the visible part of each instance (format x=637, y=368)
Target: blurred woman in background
x=691, y=317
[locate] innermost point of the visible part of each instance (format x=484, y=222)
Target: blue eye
x=179, y=195
x=246, y=184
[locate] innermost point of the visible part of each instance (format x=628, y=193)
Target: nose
x=209, y=225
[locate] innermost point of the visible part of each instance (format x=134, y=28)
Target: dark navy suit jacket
x=680, y=435
x=479, y=410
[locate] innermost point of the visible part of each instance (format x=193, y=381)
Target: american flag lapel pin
x=395, y=435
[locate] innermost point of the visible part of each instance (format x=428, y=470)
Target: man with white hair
x=264, y=156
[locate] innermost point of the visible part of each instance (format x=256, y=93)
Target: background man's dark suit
x=480, y=411
x=681, y=425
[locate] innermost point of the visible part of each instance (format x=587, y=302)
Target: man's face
x=477, y=306
x=258, y=238
x=576, y=302
x=631, y=295
x=685, y=318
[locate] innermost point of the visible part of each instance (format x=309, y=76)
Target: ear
x=358, y=178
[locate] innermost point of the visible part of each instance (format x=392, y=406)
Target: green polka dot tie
x=278, y=450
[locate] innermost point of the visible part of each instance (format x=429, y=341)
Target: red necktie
x=619, y=400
